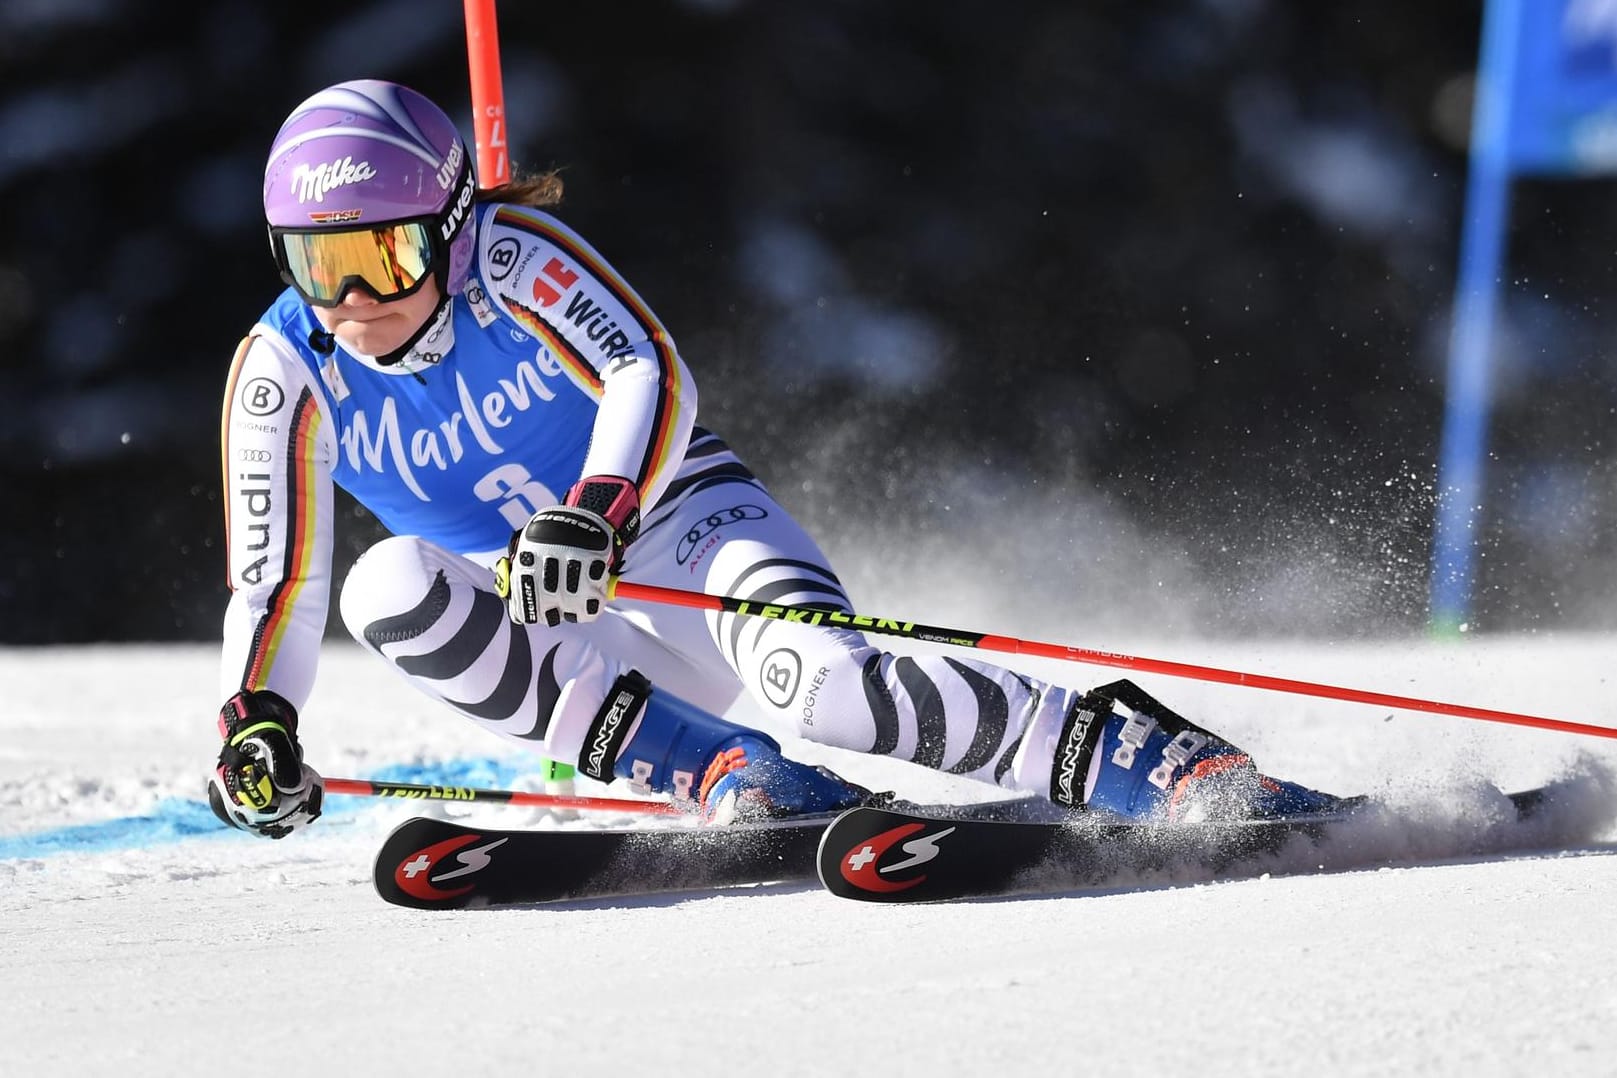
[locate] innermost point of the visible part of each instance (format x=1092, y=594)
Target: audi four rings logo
x=711, y=523
x=415, y=876
x=253, y=456
x=862, y=866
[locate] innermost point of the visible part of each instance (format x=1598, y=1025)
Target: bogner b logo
x=779, y=675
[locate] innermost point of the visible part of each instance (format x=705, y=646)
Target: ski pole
x=488, y=93
x=489, y=134
x=418, y=791
x=909, y=630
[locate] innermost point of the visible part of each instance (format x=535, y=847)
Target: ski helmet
x=366, y=153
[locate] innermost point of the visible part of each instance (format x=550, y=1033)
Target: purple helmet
x=366, y=152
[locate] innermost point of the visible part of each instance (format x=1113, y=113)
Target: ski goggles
x=389, y=261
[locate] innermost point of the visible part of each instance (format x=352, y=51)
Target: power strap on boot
x=705, y=763
x=1085, y=722
x=603, y=741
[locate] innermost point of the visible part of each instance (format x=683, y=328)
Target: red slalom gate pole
x=410, y=791
x=488, y=93
x=651, y=593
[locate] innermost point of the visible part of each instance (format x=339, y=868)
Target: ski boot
x=1151, y=764
x=725, y=772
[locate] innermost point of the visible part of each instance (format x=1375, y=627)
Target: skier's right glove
x=261, y=783
x=558, y=566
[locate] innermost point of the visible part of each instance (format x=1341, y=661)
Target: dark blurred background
x=1133, y=310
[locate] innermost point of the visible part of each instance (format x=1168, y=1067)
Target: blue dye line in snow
x=176, y=818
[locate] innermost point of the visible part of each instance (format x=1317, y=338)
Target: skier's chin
x=373, y=336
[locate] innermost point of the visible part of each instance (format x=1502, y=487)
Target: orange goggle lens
x=389, y=261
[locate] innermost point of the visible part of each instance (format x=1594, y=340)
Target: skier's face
x=374, y=328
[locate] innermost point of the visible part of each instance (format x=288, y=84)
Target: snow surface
x=138, y=938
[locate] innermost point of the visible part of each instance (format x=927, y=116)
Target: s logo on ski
x=862, y=866
x=414, y=875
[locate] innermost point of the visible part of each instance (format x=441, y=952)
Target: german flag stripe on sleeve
x=665, y=413
x=300, y=541
x=236, y=365
x=572, y=361
x=660, y=444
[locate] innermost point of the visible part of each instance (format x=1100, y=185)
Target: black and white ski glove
x=261, y=783
x=560, y=564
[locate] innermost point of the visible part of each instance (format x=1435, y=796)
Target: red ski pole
x=488, y=93
x=467, y=795
x=651, y=593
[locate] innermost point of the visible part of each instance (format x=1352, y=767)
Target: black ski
x=437, y=864
x=898, y=853
x=883, y=855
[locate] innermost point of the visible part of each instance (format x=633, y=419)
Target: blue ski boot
x=1152, y=764
x=726, y=772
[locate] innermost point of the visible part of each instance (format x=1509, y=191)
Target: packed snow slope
x=139, y=938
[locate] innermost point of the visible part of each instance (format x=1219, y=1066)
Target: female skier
x=476, y=375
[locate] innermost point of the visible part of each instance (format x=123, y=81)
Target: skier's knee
x=405, y=577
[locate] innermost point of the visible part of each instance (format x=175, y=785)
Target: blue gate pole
x=1467, y=399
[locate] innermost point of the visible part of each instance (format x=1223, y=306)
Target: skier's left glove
x=559, y=565
x=261, y=783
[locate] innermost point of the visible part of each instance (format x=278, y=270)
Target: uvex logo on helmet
x=446, y=171
x=313, y=183
x=455, y=216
